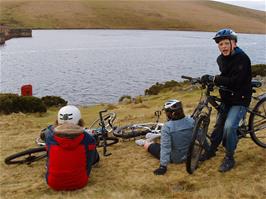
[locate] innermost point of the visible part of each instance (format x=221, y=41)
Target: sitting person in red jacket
x=71, y=151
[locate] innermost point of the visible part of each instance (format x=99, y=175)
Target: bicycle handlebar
x=186, y=77
x=191, y=79
x=210, y=86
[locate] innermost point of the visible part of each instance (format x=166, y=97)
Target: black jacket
x=236, y=76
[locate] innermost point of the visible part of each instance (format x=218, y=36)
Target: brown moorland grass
x=127, y=173
x=130, y=14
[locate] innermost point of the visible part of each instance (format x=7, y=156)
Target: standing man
x=235, y=68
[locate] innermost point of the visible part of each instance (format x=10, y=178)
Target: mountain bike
x=100, y=134
x=254, y=125
x=141, y=129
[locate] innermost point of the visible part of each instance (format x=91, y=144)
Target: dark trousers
x=155, y=149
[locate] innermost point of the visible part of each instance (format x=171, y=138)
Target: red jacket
x=70, y=157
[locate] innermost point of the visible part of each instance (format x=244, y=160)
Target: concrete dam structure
x=7, y=33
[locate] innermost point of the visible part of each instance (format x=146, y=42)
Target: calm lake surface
x=93, y=66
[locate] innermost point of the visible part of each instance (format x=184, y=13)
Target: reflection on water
x=93, y=66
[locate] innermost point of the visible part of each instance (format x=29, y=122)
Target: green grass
x=128, y=172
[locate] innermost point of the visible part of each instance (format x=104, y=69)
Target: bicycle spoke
x=259, y=122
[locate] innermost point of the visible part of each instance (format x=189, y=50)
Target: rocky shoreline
x=7, y=33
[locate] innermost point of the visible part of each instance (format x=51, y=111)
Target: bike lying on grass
x=141, y=129
x=254, y=125
x=103, y=124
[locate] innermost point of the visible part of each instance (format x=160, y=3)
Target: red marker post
x=26, y=90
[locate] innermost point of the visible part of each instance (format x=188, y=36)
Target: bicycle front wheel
x=257, y=123
x=199, y=137
x=27, y=157
x=134, y=130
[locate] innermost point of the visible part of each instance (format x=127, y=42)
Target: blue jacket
x=175, y=139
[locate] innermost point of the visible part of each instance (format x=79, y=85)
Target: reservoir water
x=93, y=66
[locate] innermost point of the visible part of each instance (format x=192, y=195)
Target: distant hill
x=131, y=14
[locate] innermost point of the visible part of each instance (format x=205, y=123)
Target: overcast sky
x=254, y=4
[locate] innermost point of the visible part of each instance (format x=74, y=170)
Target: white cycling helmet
x=172, y=105
x=68, y=114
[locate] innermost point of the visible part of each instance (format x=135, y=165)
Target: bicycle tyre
x=133, y=130
x=109, y=141
x=257, y=123
x=27, y=157
x=196, y=146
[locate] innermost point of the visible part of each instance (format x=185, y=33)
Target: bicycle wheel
x=134, y=130
x=257, y=123
x=199, y=137
x=109, y=141
x=27, y=157
x=108, y=121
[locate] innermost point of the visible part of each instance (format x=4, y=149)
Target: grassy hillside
x=131, y=14
x=127, y=173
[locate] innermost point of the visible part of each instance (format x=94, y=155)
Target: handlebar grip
x=186, y=77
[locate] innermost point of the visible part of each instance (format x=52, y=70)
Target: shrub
x=31, y=104
x=154, y=89
x=9, y=103
x=53, y=101
x=258, y=69
x=157, y=88
x=124, y=97
x=12, y=103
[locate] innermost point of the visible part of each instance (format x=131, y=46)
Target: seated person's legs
x=153, y=148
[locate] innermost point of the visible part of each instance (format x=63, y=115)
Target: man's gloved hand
x=160, y=171
x=207, y=79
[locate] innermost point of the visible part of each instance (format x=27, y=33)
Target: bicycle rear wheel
x=134, y=130
x=199, y=137
x=257, y=123
x=27, y=157
x=109, y=141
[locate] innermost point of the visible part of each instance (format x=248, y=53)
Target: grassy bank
x=127, y=173
x=129, y=14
